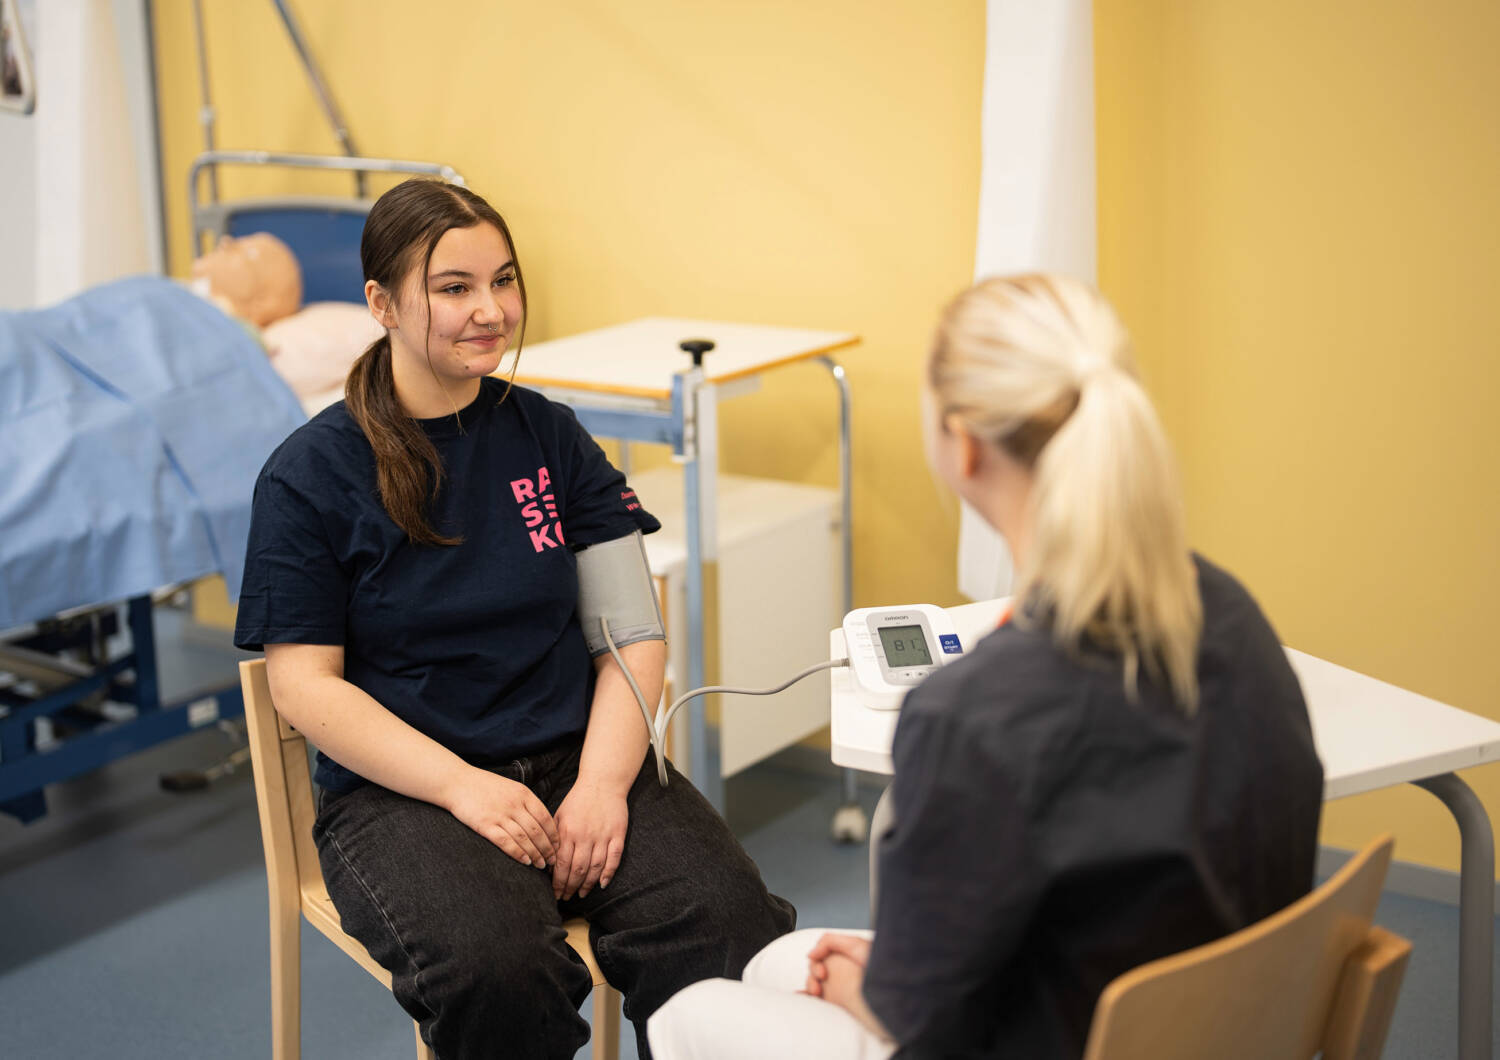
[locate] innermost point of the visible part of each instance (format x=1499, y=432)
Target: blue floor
x=134, y=921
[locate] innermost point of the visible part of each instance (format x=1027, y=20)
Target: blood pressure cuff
x=614, y=583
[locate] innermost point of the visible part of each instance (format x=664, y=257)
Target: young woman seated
x=413, y=575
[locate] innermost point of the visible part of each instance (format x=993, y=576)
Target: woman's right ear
x=967, y=449
x=379, y=301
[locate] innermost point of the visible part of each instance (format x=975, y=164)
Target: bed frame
x=73, y=702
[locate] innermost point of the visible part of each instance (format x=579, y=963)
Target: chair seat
x=578, y=938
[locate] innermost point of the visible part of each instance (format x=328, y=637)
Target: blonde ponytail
x=1041, y=367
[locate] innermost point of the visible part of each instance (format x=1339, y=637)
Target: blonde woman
x=1122, y=770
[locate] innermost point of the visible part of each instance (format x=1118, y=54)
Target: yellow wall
x=1299, y=219
x=811, y=165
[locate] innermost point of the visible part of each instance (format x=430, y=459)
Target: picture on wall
x=17, y=89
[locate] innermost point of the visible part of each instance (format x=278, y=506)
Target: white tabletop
x=1369, y=734
x=640, y=358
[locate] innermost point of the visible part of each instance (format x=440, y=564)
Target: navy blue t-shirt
x=476, y=645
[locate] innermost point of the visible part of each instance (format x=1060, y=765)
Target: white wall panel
x=18, y=194
x=79, y=203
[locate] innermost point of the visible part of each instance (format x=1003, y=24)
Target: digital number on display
x=905, y=646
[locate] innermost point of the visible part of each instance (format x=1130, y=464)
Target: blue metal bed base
x=93, y=740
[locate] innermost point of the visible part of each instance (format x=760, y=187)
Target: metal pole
x=846, y=478
x=320, y=87
x=162, y=248
x=695, y=401
x=698, y=749
x=884, y=817
x=850, y=824
x=1476, y=912
x=701, y=575
x=206, y=111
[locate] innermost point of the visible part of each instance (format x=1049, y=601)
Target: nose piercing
x=494, y=328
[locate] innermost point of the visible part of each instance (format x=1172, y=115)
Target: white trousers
x=764, y=1015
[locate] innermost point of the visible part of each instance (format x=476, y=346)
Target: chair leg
x=286, y=985
x=424, y=1051
x=606, y=1022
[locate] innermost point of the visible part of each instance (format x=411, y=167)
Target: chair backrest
x=283, y=789
x=1315, y=976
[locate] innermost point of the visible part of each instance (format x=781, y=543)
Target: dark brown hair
x=400, y=233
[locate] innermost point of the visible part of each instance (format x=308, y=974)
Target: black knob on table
x=696, y=347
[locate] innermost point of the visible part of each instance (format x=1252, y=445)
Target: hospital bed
x=137, y=416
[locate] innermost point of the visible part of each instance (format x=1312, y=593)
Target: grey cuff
x=614, y=583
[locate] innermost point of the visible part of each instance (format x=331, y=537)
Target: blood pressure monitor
x=891, y=649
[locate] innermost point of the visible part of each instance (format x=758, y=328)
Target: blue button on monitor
x=950, y=644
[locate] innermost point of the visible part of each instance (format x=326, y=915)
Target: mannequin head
x=257, y=275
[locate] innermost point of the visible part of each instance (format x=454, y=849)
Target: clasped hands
x=581, y=845
x=836, y=973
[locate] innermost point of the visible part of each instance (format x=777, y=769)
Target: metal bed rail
x=210, y=161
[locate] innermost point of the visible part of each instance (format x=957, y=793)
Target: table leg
x=1476, y=912
x=700, y=470
x=846, y=478
x=880, y=823
x=849, y=823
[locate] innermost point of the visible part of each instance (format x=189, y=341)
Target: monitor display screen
x=905, y=646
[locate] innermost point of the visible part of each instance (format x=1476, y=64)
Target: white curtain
x=1036, y=194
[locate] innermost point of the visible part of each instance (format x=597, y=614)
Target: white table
x=636, y=382
x=1369, y=735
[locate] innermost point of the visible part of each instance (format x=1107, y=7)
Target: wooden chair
x=1315, y=976
x=283, y=794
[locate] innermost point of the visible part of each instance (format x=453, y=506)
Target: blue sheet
x=134, y=419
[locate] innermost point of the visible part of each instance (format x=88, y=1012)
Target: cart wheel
x=850, y=825
x=188, y=780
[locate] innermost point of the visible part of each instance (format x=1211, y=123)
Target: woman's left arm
x=592, y=819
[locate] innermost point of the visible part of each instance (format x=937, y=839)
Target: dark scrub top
x=1051, y=835
x=476, y=645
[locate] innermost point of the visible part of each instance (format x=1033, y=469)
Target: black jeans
x=473, y=939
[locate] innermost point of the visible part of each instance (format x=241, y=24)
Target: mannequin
x=255, y=278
